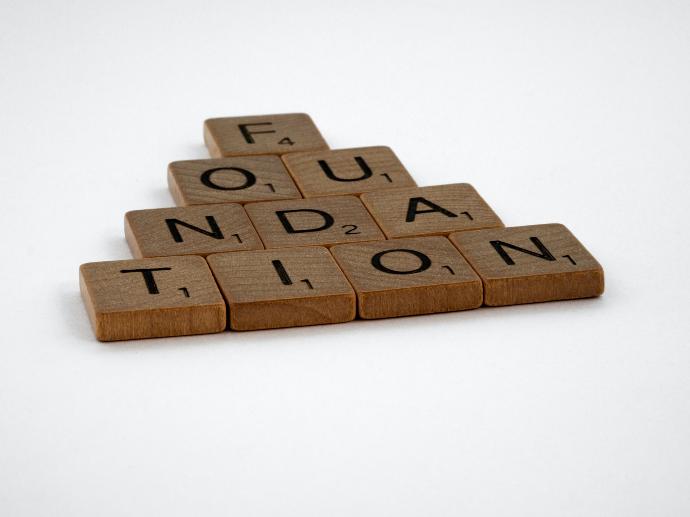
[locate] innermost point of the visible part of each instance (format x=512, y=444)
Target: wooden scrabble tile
x=262, y=134
x=190, y=230
x=313, y=222
x=410, y=276
x=526, y=264
x=437, y=210
x=133, y=299
x=283, y=288
x=347, y=171
x=230, y=180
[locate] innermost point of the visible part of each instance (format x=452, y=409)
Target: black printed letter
x=249, y=178
x=248, y=134
x=282, y=273
x=362, y=165
x=433, y=207
x=424, y=262
x=215, y=230
x=327, y=220
x=545, y=253
x=148, y=276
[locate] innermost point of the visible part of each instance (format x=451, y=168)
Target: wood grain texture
x=230, y=180
x=347, y=171
x=551, y=264
x=179, y=298
x=162, y=232
x=313, y=222
x=262, y=134
x=437, y=210
x=283, y=288
x=410, y=276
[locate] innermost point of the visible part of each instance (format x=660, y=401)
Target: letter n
x=214, y=232
x=544, y=253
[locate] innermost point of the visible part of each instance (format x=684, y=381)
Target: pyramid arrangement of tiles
x=277, y=230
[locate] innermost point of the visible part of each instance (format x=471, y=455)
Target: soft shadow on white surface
x=195, y=151
x=115, y=247
x=76, y=319
x=74, y=315
x=161, y=198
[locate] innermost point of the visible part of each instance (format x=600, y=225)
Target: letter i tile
x=283, y=288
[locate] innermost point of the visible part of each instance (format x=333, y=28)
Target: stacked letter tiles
x=277, y=230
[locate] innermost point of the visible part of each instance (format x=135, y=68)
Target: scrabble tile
x=230, y=180
x=313, y=222
x=133, y=299
x=347, y=171
x=262, y=134
x=526, y=264
x=410, y=276
x=191, y=230
x=437, y=210
x=283, y=288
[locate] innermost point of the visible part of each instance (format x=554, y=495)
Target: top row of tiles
x=247, y=164
x=262, y=134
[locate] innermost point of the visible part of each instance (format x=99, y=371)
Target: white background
x=571, y=112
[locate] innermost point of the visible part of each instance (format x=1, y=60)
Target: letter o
x=424, y=262
x=249, y=178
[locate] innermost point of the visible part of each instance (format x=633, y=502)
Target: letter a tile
x=190, y=230
x=230, y=180
x=320, y=221
x=437, y=210
x=403, y=277
x=283, y=288
x=526, y=264
x=134, y=299
x=347, y=171
x=262, y=134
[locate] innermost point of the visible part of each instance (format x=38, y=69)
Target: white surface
x=557, y=112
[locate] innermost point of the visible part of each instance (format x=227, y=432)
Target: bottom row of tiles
x=171, y=296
